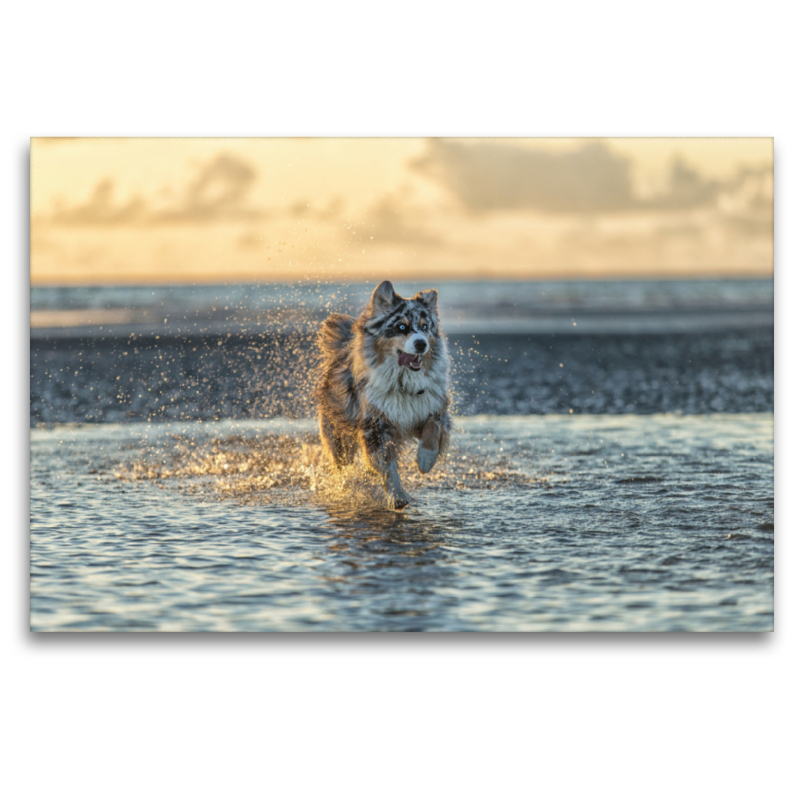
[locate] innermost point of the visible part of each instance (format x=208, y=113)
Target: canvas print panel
x=402, y=385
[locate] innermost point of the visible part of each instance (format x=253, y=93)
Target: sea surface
x=611, y=468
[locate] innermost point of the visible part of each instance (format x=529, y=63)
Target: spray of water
x=291, y=470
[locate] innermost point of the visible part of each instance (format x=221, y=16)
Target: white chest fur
x=405, y=397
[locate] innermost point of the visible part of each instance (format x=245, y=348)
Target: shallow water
x=534, y=523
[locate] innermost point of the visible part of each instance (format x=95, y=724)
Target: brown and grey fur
x=367, y=402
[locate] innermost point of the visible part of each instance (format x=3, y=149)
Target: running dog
x=385, y=380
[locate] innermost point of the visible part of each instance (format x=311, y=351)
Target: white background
x=403, y=715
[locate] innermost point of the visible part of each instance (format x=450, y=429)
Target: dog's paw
x=426, y=459
x=398, y=501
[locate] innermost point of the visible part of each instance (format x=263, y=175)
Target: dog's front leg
x=381, y=453
x=433, y=440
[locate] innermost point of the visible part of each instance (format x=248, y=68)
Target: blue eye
x=402, y=329
x=424, y=327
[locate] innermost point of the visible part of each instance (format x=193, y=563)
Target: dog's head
x=404, y=328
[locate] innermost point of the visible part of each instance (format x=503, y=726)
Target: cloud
x=746, y=202
x=101, y=209
x=686, y=189
x=394, y=219
x=497, y=176
x=491, y=176
x=217, y=193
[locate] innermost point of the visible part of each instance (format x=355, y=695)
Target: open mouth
x=412, y=361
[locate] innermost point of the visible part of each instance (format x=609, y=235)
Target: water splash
x=291, y=470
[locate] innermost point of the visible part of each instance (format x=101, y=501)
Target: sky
x=139, y=211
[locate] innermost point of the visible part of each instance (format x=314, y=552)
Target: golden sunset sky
x=107, y=211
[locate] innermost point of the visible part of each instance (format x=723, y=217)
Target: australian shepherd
x=384, y=382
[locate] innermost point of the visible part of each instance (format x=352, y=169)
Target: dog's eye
x=424, y=327
x=402, y=328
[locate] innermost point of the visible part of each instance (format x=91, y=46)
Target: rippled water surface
x=534, y=523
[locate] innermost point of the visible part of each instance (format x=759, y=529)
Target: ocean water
x=624, y=306
x=611, y=475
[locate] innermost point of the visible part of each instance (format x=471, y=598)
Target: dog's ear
x=384, y=297
x=429, y=298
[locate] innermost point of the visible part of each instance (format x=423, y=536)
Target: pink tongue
x=406, y=358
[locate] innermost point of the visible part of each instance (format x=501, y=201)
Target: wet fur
x=368, y=403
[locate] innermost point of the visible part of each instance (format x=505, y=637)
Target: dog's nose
x=420, y=346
